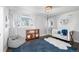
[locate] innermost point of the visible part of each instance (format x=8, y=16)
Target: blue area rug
x=40, y=45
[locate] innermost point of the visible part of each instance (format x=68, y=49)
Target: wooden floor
x=9, y=50
x=76, y=45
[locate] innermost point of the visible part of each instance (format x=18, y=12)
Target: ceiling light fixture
x=48, y=9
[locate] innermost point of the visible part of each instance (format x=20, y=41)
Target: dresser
x=32, y=34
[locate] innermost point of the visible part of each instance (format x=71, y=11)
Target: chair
x=15, y=41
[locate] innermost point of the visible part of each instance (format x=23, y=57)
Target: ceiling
x=40, y=9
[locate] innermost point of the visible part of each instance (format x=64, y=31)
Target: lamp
x=48, y=9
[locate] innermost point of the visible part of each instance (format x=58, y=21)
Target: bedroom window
x=25, y=21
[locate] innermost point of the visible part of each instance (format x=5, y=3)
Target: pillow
x=58, y=43
x=64, y=32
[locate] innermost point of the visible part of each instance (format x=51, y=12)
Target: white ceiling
x=40, y=9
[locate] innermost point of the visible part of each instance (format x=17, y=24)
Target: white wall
x=1, y=28
x=3, y=31
x=40, y=23
x=6, y=29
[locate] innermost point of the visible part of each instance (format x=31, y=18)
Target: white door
x=1, y=29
